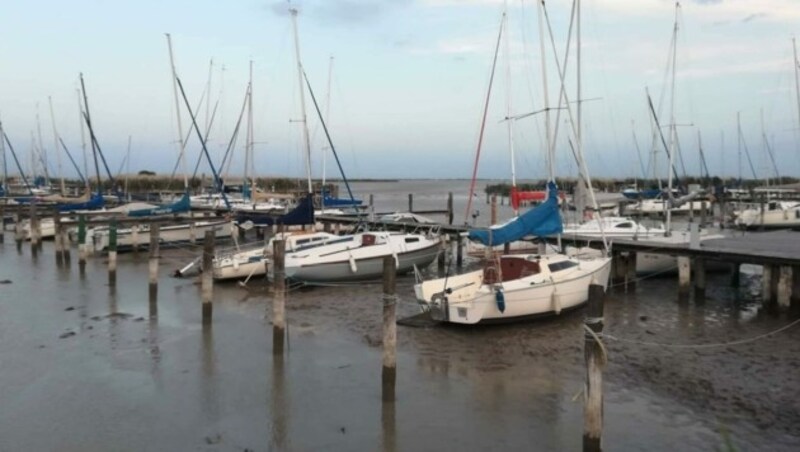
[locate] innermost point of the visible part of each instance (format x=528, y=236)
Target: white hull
x=360, y=257
x=129, y=237
x=474, y=299
x=46, y=225
x=774, y=215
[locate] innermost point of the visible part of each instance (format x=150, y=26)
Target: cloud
x=753, y=17
x=340, y=12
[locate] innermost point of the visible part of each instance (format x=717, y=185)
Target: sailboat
x=513, y=287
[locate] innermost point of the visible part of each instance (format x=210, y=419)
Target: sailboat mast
x=208, y=91
x=88, y=119
x=303, y=118
x=181, y=142
x=5, y=162
x=739, y=142
x=509, y=109
x=248, y=147
x=672, y=128
x=327, y=116
x=42, y=151
x=127, y=166
x=83, y=141
x=796, y=77
x=546, y=96
x=55, y=147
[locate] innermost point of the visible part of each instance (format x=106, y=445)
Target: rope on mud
x=701, y=346
x=343, y=284
x=642, y=278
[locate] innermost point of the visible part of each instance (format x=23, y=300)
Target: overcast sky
x=409, y=81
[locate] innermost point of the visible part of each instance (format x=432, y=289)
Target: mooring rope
x=702, y=346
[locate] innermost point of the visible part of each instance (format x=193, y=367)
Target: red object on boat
x=532, y=196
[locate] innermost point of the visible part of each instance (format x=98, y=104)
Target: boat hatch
x=563, y=265
x=367, y=240
x=626, y=225
x=412, y=239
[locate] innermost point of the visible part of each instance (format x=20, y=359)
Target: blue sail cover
x=329, y=201
x=303, y=213
x=183, y=205
x=95, y=202
x=542, y=220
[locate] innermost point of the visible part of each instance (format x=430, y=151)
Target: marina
x=400, y=226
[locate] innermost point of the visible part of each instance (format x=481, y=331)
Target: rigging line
x=660, y=132
x=184, y=143
x=747, y=154
x=638, y=150
x=483, y=121
x=235, y=135
x=209, y=124
x=202, y=142
x=16, y=160
x=64, y=146
x=87, y=119
x=330, y=142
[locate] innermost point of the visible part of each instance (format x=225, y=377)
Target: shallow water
x=138, y=376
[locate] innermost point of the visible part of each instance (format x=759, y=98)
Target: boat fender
x=353, y=267
x=556, y=303
x=500, y=298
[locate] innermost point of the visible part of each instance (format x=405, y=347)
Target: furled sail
x=542, y=220
x=302, y=214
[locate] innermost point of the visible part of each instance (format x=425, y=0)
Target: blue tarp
x=303, y=213
x=651, y=193
x=183, y=205
x=542, y=220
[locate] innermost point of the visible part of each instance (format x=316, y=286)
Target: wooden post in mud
x=684, y=276
x=35, y=228
x=493, y=217
x=19, y=233
x=65, y=245
x=389, y=372
x=279, y=295
x=441, y=257
x=59, y=246
x=459, y=251
x=703, y=213
x=112, y=253
x=135, y=238
x=594, y=356
x=2, y=222
x=784, y=286
x=153, y=261
x=735, y=279
x=630, y=275
x=207, y=281
x=192, y=232
x=410, y=202
x=82, y=251
x=449, y=207
x=767, y=292
x=699, y=278
x=795, y=295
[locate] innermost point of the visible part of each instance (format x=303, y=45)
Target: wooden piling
x=795, y=296
x=459, y=251
x=450, y=208
x=410, y=202
x=279, y=295
x=58, y=245
x=35, y=228
x=82, y=251
x=493, y=217
x=135, y=238
x=19, y=232
x=112, y=252
x=784, y=288
x=699, y=278
x=153, y=259
x=703, y=213
x=684, y=276
x=630, y=274
x=440, y=258
x=767, y=292
x=595, y=359
x=2, y=221
x=207, y=278
x=735, y=274
x=65, y=245
x=389, y=372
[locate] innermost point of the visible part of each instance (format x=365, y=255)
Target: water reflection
x=279, y=407
x=388, y=426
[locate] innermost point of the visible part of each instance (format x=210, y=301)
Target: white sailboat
x=513, y=287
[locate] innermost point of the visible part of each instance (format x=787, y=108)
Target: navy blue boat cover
x=182, y=205
x=303, y=213
x=542, y=220
x=95, y=202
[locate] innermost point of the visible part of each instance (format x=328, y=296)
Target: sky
x=409, y=80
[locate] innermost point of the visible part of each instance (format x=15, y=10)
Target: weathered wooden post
x=684, y=276
x=630, y=275
x=735, y=279
x=58, y=245
x=493, y=216
x=785, y=286
x=703, y=213
x=449, y=207
x=82, y=251
x=389, y=372
x=65, y=245
x=767, y=292
x=699, y=278
x=112, y=252
x=19, y=232
x=440, y=258
x=459, y=251
x=795, y=296
x=207, y=281
x=410, y=202
x=595, y=358
x=35, y=229
x=135, y=238
x=153, y=260
x=279, y=295
x=2, y=221
x=691, y=211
